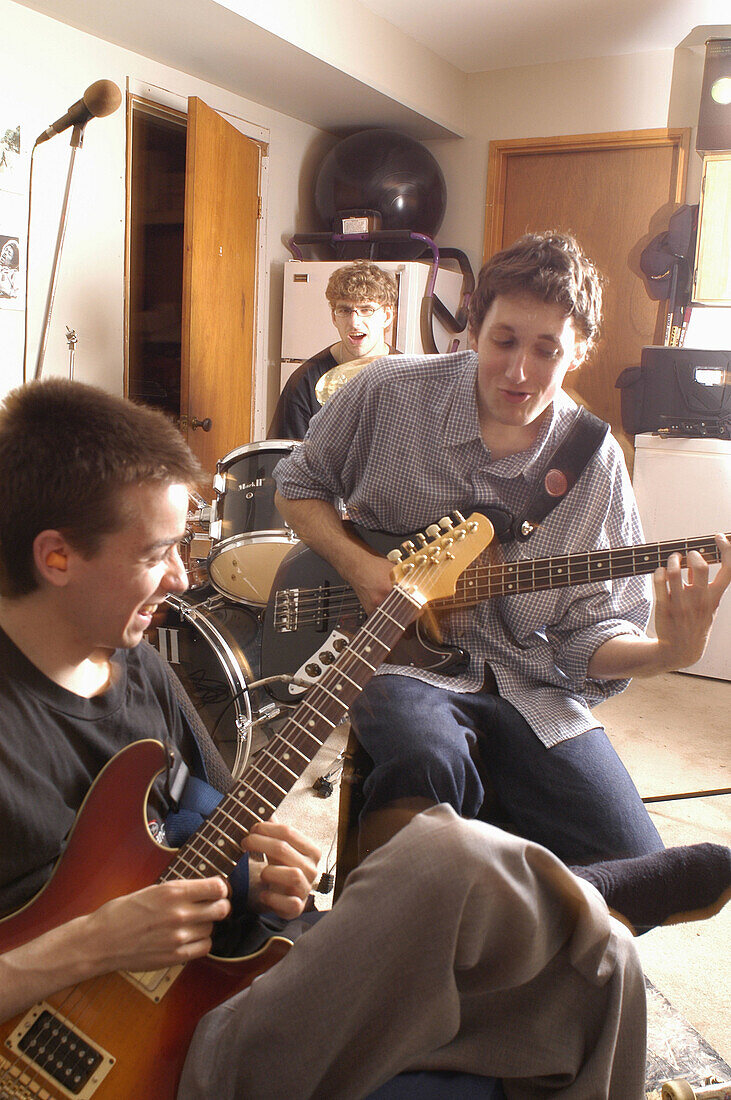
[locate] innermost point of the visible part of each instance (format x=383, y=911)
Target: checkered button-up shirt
x=401, y=445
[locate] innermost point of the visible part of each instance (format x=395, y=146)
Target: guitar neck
x=483, y=582
x=215, y=848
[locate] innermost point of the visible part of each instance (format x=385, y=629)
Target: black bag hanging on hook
x=678, y=391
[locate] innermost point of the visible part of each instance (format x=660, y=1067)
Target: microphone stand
x=77, y=139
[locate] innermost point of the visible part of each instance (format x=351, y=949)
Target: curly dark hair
x=553, y=267
x=361, y=281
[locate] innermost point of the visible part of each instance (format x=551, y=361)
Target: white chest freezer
x=683, y=488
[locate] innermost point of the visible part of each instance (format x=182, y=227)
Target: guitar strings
x=485, y=581
x=320, y=699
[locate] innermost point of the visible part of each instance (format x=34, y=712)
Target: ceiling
x=477, y=35
x=316, y=72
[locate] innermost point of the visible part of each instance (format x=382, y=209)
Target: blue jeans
x=478, y=754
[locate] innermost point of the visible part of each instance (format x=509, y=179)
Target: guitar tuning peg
x=433, y=531
x=394, y=556
x=445, y=523
x=421, y=538
x=458, y=516
x=408, y=547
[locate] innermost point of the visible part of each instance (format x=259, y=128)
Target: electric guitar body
x=127, y=1036
x=323, y=619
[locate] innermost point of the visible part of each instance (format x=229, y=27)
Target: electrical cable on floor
x=686, y=794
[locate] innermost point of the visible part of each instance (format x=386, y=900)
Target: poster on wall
x=11, y=281
x=12, y=170
x=12, y=216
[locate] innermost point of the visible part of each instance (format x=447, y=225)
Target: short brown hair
x=66, y=452
x=551, y=266
x=361, y=281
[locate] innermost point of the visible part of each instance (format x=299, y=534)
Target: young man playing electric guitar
x=455, y=948
x=413, y=438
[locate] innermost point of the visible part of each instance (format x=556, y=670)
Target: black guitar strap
x=561, y=471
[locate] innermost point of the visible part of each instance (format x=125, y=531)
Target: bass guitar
x=125, y=1035
x=312, y=612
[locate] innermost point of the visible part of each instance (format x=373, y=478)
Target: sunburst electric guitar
x=125, y=1035
x=312, y=613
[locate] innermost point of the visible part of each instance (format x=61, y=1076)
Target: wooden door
x=219, y=284
x=614, y=192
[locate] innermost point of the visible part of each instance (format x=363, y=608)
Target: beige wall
x=614, y=93
x=48, y=68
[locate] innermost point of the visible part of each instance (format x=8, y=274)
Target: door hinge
x=183, y=423
x=258, y=207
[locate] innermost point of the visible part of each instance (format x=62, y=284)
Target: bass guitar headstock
x=430, y=570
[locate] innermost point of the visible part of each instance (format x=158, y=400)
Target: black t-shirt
x=54, y=743
x=298, y=402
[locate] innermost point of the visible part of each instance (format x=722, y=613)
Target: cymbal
x=335, y=378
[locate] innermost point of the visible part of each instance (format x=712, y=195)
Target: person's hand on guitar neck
x=318, y=524
x=685, y=610
x=283, y=882
x=684, y=614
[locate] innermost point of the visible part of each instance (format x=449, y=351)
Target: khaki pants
x=455, y=946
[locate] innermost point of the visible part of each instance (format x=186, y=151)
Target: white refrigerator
x=307, y=325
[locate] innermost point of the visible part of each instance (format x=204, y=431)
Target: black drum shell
x=250, y=536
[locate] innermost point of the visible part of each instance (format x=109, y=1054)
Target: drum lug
x=266, y=713
x=243, y=727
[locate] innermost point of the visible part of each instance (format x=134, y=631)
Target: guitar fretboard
x=215, y=848
x=482, y=582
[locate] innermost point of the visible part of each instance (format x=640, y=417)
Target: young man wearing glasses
x=362, y=298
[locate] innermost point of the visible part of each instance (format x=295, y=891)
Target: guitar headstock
x=430, y=570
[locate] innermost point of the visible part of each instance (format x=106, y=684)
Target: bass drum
x=214, y=648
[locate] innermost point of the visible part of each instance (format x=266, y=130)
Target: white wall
x=48, y=68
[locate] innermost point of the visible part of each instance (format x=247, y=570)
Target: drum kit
x=211, y=635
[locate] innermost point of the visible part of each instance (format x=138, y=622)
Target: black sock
x=666, y=887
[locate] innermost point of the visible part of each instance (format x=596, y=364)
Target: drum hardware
x=195, y=546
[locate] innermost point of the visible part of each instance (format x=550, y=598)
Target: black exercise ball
x=387, y=172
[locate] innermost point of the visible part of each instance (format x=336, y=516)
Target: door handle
x=205, y=424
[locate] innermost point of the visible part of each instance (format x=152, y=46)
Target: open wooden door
x=613, y=192
x=219, y=284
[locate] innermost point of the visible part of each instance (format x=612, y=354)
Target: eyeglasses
x=360, y=311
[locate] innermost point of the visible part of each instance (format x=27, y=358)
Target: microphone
x=100, y=98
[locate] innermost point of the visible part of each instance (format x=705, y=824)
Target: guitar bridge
x=153, y=983
x=47, y=1041
x=286, y=603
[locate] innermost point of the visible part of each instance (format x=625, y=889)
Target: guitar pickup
x=47, y=1041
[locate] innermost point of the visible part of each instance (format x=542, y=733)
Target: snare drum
x=250, y=537
x=214, y=648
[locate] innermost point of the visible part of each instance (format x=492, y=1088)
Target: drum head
x=214, y=648
x=244, y=568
